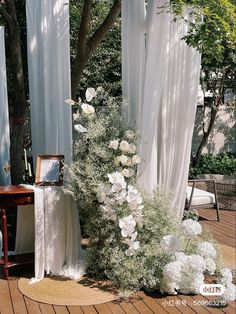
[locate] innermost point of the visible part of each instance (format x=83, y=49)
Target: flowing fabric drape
x=5, y=178
x=51, y=229
x=169, y=103
x=133, y=62
x=49, y=76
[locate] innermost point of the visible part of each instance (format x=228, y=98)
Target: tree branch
x=7, y=18
x=84, y=26
x=104, y=28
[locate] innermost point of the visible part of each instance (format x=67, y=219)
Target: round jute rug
x=63, y=291
x=229, y=255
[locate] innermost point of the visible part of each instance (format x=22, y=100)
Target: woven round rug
x=229, y=255
x=64, y=291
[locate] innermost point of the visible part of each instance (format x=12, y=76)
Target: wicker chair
x=199, y=197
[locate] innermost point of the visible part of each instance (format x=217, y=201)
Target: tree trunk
x=85, y=47
x=17, y=92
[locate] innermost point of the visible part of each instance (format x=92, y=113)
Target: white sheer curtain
x=5, y=178
x=51, y=229
x=133, y=62
x=169, y=103
x=49, y=76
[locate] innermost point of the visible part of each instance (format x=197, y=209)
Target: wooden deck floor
x=12, y=301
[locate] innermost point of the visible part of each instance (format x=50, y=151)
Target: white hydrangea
x=129, y=134
x=127, y=225
x=136, y=160
x=197, y=263
x=114, y=144
x=88, y=109
x=210, y=265
x=229, y=293
x=80, y=129
x=206, y=249
x=124, y=146
x=191, y=228
x=181, y=257
x=170, y=243
x=117, y=180
x=226, y=276
x=172, y=272
x=90, y=94
x=191, y=282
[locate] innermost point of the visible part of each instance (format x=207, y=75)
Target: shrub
x=222, y=163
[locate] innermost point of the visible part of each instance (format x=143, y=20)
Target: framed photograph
x=49, y=170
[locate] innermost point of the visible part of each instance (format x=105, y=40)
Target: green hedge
x=222, y=163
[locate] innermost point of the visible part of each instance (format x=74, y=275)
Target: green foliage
x=104, y=66
x=144, y=269
x=212, y=26
x=222, y=163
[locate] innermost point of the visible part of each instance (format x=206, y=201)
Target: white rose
x=76, y=116
x=129, y=134
x=132, y=148
x=124, y=146
x=90, y=94
x=117, y=161
x=100, y=89
x=127, y=172
x=88, y=109
x=136, y=159
x=123, y=159
x=79, y=128
x=70, y=102
x=114, y=144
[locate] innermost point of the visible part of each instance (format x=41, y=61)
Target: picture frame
x=49, y=170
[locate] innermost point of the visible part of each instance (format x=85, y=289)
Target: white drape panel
x=169, y=104
x=4, y=117
x=56, y=236
x=133, y=56
x=169, y=101
x=49, y=76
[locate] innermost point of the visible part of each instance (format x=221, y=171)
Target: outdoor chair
x=199, y=198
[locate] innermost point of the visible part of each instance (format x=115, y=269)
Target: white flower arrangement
x=134, y=241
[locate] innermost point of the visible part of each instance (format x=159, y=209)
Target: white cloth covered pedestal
x=57, y=234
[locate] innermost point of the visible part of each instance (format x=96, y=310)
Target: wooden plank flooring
x=12, y=301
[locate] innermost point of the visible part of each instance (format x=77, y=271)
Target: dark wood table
x=10, y=197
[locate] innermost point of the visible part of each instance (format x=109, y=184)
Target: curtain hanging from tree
x=133, y=56
x=169, y=102
x=5, y=178
x=49, y=76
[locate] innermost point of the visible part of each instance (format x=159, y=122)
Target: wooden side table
x=10, y=197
